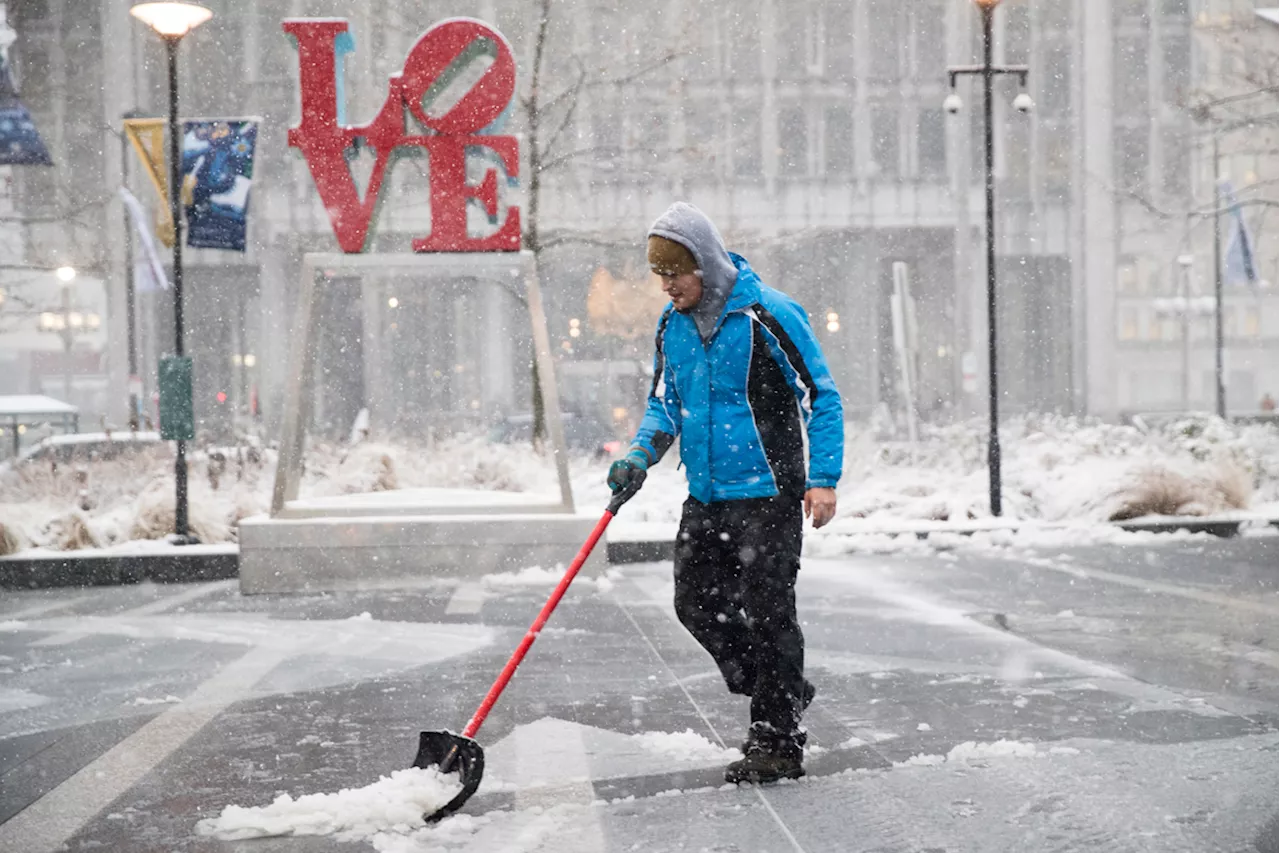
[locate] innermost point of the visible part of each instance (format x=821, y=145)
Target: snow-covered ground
x=1056, y=470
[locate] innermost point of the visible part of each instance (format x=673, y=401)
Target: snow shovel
x=448, y=751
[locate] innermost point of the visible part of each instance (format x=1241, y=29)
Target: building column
x=1094, y=252
x=117, y=65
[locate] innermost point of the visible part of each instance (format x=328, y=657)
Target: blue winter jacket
x=745, y=400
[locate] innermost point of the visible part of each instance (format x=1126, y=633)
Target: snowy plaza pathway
x=969, y=700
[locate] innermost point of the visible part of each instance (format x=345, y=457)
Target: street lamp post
x=988, y=71
x=172, y=21
x=1219, y=386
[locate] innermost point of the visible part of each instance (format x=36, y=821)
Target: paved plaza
x=1108, y=698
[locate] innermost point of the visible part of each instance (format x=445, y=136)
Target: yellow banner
x=147, y=138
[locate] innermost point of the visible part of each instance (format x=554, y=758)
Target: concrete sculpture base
x=321, y=554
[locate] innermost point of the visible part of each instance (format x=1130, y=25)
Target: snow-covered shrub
x=11, y=540
x=153, y=515
x=1164, y=490
x=71, y=532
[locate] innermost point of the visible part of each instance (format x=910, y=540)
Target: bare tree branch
x=639, y=73
x=555, y=162
x=576, y=238
x=575, y=90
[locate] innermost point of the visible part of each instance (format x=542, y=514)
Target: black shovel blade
x=449, y=753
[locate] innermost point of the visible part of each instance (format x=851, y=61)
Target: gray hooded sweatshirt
x=691, y=228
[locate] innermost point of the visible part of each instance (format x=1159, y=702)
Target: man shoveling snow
x=740, y=378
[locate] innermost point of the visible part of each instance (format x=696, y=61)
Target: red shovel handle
x=509, y=670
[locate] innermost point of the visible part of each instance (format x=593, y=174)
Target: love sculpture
x=458, y=78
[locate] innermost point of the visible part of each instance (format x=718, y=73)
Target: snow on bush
x=396, y=802
x=10, y=540
x=1056, y=469
x=1059, y=468
x=131, y=497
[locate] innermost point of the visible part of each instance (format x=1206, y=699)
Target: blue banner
x=20, y=142
x=217, y=173
x=1239, y=266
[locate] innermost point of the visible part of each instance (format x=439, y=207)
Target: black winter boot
x=806, y=698
x=768, y=757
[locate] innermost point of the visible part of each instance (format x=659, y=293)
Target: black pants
x=735, y=576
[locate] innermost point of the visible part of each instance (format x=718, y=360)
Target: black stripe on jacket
x=790, y=350
x=776, y=416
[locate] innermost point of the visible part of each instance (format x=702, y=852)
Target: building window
x=649, y=141
x=702, y=137
x=1252, y=323
x=929, y=24
x=1055, y=82
x=932, y=141
x=1175, y=8
x=1127, y=279
x=1176, y=58
x=1175, y=172
x=793, y=141
x=1155, y=328
x=884, y=143
x=742, y=57
x=746, y=144
x=884, y=18
x=837, y=24
x=1057, y=161
x=838, y=140
x=1055, y=17
x=607, y=129
x=1129, y=82
x=977, y=142
x=1128, y=324
x=1017, y=32
x=1131, y=157
x=793, y=48
x=1123, y=9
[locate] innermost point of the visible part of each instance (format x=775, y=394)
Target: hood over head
x=691, y=228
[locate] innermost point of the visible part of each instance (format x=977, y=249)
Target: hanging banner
x=20, y=142
x=148, y=270
x=1239, y=265
x=217, y=173
x=147, y=137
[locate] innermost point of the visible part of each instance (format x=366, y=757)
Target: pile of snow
x=687, y=745
x=394, y=803
x=539, y=577
x=971, y=751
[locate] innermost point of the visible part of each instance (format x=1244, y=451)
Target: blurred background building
x=811, y=131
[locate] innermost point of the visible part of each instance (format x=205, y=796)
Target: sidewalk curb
x=99, y=570
x=654, y=551
x=18, y=573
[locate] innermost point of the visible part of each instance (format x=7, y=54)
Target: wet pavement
x=1139, y=684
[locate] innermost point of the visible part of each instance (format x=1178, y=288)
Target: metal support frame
x=989, y=71
x=301, y=362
